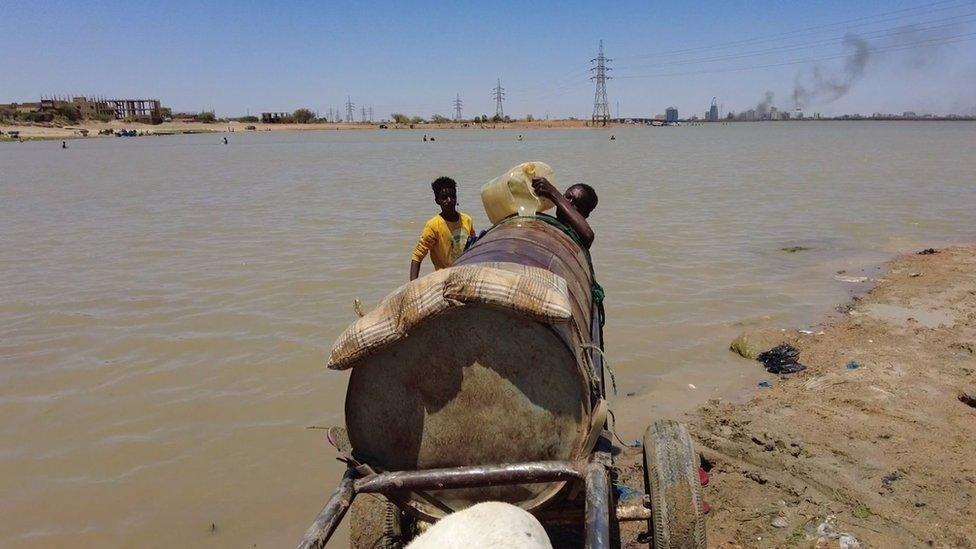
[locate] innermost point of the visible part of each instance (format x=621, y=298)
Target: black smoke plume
x=910, y=47
x=821, y=86
x=763, y=106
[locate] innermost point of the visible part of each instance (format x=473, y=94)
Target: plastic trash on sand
x=825, y=532
x=625, y=492
x=781, y=359
x=851, y=279
x=511, y=193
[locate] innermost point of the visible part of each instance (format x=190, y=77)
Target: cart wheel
x=671, y=479
x=394, y=529
x=377, y=523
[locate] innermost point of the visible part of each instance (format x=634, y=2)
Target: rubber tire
x=671, y=480
x=377, y=523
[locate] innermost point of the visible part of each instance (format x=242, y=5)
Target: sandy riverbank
x=39, y=131
x=883, y=451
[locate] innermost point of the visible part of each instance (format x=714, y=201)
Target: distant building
x=274, y=117
x=91, y=108
x=773, y=113
x=671, y=114
x=713, y=113
x=20, y=107
x=909, y=114
x=10, y=110
x=140, y=110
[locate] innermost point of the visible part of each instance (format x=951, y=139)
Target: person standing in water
x=64, y=144
x=444, y=235
x=225, y=140
x=572, y=208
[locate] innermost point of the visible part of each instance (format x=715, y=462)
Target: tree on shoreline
x=303, y=116
x=69, y=112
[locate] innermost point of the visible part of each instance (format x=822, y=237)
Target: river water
x=167, y=304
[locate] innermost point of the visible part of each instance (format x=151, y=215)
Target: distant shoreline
x=76, y=131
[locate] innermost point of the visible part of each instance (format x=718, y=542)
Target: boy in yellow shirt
x=445, y=234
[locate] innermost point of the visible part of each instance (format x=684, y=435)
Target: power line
x=895, y=31
x=601, y=110
x=499, y=94
x=872, y=19
x=966, y=37
x=573, y=81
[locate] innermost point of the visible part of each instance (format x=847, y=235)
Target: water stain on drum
x=452, y=395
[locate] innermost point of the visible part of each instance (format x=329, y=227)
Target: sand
x=51, y=131
x=883, y=452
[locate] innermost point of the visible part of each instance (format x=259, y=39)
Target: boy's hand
x=544, y=188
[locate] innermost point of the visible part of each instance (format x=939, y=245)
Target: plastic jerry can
x=511, y=193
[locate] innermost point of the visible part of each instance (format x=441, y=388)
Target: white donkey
x=491, y=524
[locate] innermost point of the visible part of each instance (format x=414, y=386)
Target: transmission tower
x=499, y=94
x=331, y=115
x=363, y=112
x=370, y=113
x=601, y=108
x=349, y=107
x=457, y=108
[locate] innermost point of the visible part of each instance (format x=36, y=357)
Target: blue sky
x=240, y=56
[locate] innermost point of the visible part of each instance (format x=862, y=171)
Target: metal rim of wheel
x=671, y=480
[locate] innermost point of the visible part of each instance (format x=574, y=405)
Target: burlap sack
x=528, y=291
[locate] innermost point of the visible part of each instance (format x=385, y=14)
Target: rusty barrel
x=482, y=385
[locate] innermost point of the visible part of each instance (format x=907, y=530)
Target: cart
x=514, y=411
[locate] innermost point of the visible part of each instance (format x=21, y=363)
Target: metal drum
x=478, y=386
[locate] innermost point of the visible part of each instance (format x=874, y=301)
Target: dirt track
x=887, y=449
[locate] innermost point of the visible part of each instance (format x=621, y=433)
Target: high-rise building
x=712, y=112
x=671, y=114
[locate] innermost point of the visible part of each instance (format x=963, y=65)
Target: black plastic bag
x=781, y=359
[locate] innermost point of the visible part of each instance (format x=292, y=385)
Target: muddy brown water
x=166, y=304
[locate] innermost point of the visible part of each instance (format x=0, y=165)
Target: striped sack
x=528, y=291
